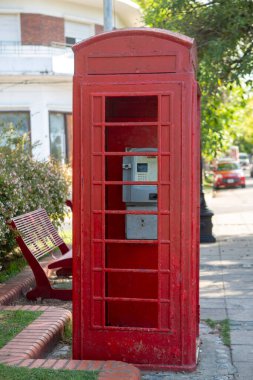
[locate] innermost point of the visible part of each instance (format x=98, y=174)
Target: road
x=236, y=202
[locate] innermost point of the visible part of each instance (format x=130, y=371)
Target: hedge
x=27, y=184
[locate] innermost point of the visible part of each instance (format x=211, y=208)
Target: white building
x=36, y=64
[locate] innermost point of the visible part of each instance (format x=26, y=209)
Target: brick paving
x=30, y=346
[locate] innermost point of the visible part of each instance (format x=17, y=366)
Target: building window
x=60, y=126
x=9, y=28
x=70, y=40
x=19, y=121
x=76, y=32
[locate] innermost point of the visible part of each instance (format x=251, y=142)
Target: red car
x=228, y=174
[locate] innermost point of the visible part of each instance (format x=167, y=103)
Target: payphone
x=140, y=197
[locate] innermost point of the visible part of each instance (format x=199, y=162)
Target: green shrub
x=27, y=184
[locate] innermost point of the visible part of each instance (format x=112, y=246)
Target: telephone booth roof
x=136, y=42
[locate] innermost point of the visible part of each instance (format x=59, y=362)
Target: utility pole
x=108, y=15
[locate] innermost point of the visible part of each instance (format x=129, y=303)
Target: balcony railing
x=16, y=48
x=19, y=59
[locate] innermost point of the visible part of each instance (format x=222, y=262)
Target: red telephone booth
x=136, y=199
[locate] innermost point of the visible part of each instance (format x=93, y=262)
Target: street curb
x=16, y=286
x=28, y=347
x=37, y=339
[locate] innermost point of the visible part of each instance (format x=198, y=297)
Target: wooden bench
x=37, y=237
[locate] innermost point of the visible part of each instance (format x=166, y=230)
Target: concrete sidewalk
x=226, y=289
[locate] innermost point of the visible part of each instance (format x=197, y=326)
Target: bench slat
x=38, y=232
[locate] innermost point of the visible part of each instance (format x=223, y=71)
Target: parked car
x=228, y=173
x=244, y=160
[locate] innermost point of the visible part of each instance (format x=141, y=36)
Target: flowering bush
x=27, y=184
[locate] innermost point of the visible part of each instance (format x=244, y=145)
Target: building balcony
x=17, y=59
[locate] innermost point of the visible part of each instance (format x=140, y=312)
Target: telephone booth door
x=131, y=237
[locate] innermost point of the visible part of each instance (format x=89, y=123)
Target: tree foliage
x=223, y=31
x=243, y=133
x=222, y=119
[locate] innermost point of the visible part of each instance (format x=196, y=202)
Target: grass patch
x=211, y=323
x=12, y=266
x=67, y=334
x=223, y=328
x=225, y=332
x=15, y=373
x=12, y=322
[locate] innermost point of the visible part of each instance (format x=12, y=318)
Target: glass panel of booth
x=131, y=108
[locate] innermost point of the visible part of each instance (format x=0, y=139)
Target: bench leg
x=38, y=292
x=60, y=294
